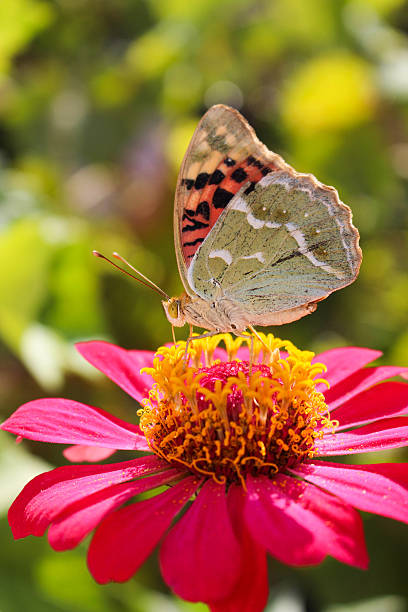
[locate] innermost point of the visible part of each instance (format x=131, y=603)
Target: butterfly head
x=174, y=311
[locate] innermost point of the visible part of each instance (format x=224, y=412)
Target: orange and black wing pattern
x=224, y=155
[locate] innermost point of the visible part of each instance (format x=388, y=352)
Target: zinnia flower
x=233, y=448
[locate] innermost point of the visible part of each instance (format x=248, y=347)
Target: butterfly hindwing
x=289, y=242
x=224, y=154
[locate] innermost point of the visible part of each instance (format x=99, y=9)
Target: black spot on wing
x=195, y=226
x=239, y=175
x=250, y=189
x=193, y=242
x=201, y=180
x=188, y=213
x=221, y=197
x=203, y=209
x=251, y=161
x=189, y=183
x=216, y=177
x=266, y=170
x=229, y=162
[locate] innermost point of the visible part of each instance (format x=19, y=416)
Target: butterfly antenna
x=150, y=282
x=146, y=282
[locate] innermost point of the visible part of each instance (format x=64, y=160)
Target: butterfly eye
x=173, y=309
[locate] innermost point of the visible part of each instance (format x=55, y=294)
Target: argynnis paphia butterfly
x=257, y=243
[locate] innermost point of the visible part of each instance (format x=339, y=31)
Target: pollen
x=229, y=419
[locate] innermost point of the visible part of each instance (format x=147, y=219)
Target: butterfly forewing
x=224, y=155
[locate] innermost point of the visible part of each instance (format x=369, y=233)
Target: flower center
x=227, y=419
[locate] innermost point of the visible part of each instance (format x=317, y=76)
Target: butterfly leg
x=173, y=334
x=251, y=354
x=191, y=338
x=253, y=330
x=251, y=348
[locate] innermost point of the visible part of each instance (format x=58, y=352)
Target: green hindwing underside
x=288, y=242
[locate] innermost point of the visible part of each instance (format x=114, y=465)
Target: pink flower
x=238, y=448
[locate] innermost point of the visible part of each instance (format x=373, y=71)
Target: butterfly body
x=256, y=242
x=219, y=315
x=223, y=315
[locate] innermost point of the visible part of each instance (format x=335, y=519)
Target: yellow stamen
x=228, y=420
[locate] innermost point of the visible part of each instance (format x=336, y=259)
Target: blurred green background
x=98, y=100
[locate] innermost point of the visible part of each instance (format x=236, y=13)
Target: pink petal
x=243, y=353
x=67, y=422
x=379, y=488
x=251, y=591
x=390, y=399
x=272, y=518
x=49, y=494
x=80, y=518
x=219, y=353
x=91, y=454
x=342, y=362
x=300, y=524
x=358, y=382
x=120, y=365
x=387, y=433
x=126, y=537
x=200, y=557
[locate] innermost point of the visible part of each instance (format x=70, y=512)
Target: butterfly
x=257, y=243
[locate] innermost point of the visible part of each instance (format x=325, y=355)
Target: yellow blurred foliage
x=20, y=20
x=23, y=282
x=383, y=7
x=157, y=49
x=295, y=22
x=181, y=9
x=178, y=142
x=330, y=92
x=112, y=87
